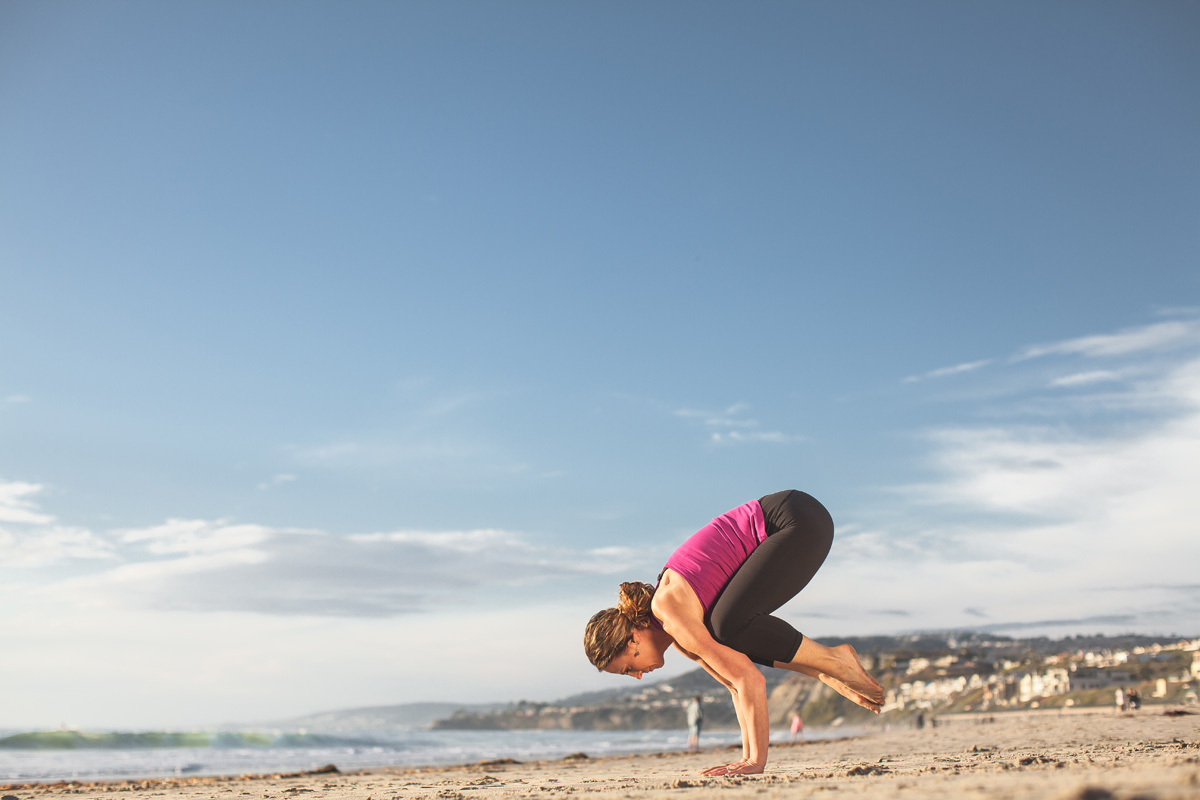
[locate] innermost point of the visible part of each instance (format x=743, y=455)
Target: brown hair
x=609, y=631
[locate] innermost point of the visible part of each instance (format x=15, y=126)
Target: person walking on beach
x=695, y=716
x=797, y=727
x=713, y=603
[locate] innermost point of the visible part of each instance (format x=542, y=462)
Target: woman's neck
x=662, y=640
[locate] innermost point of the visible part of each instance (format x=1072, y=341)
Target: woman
x=713, y=603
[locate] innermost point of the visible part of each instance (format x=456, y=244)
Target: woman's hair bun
x=634, y=602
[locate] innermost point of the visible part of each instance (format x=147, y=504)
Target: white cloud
x=610, y=560
x=276, y=480
x=384, y=452
x=17, y=399
x=1086, y=378
x=216, y=566
x=1060, y=524
x=729, y=418
x=476, y=541
x=1058, y=471
x=195, y=536
x=15, y=505
x=731, y=426
x=1157, y=336
x=943, y=372
x=738, y=437
x=31, y=538
x=46, y=545
x=154, y=584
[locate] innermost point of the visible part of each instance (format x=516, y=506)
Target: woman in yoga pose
x=714, y=601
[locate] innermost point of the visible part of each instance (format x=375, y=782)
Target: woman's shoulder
x=674, y=597
x=669, y=583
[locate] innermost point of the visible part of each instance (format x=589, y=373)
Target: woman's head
x=609, y=632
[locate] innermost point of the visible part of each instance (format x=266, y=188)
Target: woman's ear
x=635, y=637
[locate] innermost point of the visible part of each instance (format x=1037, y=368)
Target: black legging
x=799, y=535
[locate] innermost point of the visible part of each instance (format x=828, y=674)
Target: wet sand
x=1077, y=755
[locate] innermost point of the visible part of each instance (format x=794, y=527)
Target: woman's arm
x=682, y=617
x=732, y=691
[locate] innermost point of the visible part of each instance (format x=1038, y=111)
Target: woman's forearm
x=741, y=718
x=750, y=702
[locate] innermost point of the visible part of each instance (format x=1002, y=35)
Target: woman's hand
x=740, y=768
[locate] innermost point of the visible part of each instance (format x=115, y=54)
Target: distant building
x=916, y=665
x=1083, y=678
x=1049, y=683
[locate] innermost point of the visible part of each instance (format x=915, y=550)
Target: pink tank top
x=710, y=556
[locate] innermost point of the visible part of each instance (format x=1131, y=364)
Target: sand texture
x=1048, y=754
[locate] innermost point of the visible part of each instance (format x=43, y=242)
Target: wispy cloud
x=732, y=417
x=383, y=452
x=201, y=565
x=17, y=399
x=1022, y=522
x=427, y=427
x=944, y=372
x=50, y=544
x=194, y=536
x=16, y=504
x=29, y=537
x=733, y=426
x=476, y=541
x=1087, y=378
x=1158, y=336
x=276, y=480
x=1129, y=621
x=750, y=437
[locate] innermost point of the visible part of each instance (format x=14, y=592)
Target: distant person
x=1120, y=699
x=695, y=718
x=797, y=727
x=1134, y=700
x=713, y=603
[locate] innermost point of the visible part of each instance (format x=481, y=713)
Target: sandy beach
x=1084, y=755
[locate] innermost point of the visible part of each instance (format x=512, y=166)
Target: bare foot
x=838, y=668
x=855, y=677
x=740, y=768
x=848, y=693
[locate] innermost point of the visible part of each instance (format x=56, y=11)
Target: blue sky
x=351, y=354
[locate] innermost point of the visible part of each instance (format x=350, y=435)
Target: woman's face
x=640, y=656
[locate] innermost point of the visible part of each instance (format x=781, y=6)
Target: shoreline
x=433, y=766
x=1082, y=756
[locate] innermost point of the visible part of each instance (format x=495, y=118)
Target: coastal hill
x=924, y=675
x=406, y=716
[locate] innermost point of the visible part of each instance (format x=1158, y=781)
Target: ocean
x=114, y=756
